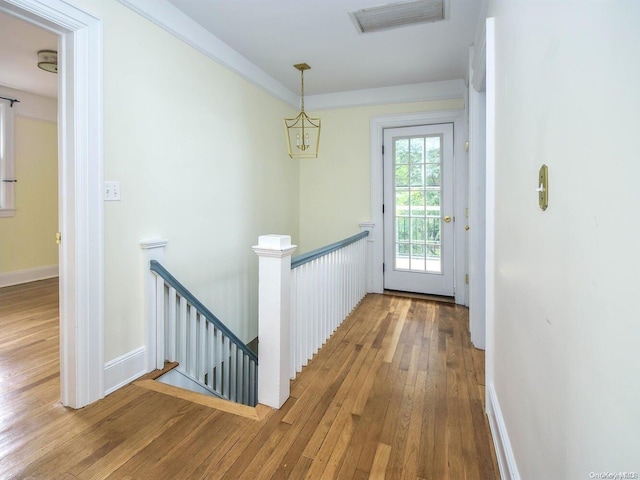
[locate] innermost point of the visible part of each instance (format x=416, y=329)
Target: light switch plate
x=111, y=191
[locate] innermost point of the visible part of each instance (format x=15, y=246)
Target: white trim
x=378, y=124
x=478, y=58
x=419, y=92
x=28, y=275
x=81, y=252
x=174, y=21
x=7, y=160
x=124, y=369
x=147, y=244
x=477, y=207
x=490, y=205
x=270, y=252
x=501, y=442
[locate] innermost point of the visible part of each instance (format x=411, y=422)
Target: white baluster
x=233, y=372
x=294, y=325
x=193, y=341
x=202, y=347
x=245, y=379
x=160, y=319
x=182, y=334
x=225, y=359
x=210, y=354
x=315, y=286
x=304, y=318
x=335, y=288
x=170, y=340
x=219, y=349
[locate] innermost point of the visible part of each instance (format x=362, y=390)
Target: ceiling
x=19, y=56
x=276, y=34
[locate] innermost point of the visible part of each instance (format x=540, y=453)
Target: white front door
x=418, y=209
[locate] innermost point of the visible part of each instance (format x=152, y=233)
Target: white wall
x=567, y=318
x=201, y=160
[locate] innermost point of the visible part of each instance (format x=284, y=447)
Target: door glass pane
x=417, y=165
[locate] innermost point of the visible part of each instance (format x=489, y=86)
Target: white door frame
x=490, y=203
x=81, y=254
x=460, y=165
x=477, y=192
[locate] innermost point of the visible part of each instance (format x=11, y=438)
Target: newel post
x=368, y=226
x=274, y=310
x=154, y=323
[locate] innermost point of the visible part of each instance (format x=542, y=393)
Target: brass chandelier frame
x=303, y=131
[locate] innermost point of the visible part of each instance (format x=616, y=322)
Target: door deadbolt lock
x=447, y=219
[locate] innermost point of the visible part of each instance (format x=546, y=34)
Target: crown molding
x=417, y=92
x=168, y=17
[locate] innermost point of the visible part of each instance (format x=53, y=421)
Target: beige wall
x=27, y=240
x=201, y=161
x=335, y=192
x=567, y=318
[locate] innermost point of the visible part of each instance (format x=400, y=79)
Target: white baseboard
x=28, y=275
x=124, y=369
x=504, y=452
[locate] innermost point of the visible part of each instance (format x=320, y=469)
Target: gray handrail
x=321, y=252
x=171, y=280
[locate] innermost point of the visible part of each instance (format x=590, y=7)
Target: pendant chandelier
x=303, y=132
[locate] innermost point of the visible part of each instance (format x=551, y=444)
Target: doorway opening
x=80, y=202
x=428, y=240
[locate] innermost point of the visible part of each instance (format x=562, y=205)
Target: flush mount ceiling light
x=48, y=60
x=398, y=14
x=303, y=132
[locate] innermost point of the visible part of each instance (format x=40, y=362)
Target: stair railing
x=302, y=301
x=326, y=285
x=205, y=349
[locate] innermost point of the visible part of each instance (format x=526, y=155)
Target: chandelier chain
x=302, y=90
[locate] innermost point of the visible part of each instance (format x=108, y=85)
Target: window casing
x=7, y=167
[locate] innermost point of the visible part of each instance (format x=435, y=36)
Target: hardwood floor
x=396, y=393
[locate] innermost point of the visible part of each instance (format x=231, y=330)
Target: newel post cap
x=274, y=242
x=274, y=246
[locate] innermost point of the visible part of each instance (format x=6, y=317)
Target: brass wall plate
x=543, y=187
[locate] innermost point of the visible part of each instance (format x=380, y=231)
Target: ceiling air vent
x=398, y=14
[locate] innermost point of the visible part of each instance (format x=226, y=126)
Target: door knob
x=447, y=219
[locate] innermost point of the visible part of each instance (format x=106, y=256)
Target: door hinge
x=383, y=208
x=466, y=278
x=383, y=268
x=383, y=149
x=58, y=238
x=466, y=146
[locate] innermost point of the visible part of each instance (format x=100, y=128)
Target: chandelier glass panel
x=303, y=132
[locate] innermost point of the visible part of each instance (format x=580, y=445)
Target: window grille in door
x=417, y=199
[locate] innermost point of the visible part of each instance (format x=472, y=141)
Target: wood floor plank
x=380, y=462
x=397, y=392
